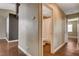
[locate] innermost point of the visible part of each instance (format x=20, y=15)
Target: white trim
x=8, y=40
x=72, y=36
x=59, y=47
x=25, y=52
x=2, y=37
x=13, y=41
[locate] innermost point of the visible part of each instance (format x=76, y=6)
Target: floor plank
x=70, y=49
x=9, y=49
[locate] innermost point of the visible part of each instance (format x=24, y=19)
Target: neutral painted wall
x=47, y=30
x=46, y=24
x=28, y=28
x=2, y=27
x=58, y=26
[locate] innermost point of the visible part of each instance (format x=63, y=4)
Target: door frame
x=40, y=18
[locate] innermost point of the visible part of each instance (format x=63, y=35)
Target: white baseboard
x=13, y=40
x=25, y=52
x=2, y=38
x=72, y=36
x=59, y=47
x=8, y=40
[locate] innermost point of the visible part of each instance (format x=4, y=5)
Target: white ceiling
x=69, y=8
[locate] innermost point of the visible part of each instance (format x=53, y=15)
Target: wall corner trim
x=59, y=47
x=25, y=52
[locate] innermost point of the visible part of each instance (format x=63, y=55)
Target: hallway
x=9, y=49
x=70, y=49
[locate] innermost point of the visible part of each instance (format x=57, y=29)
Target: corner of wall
x=24, y=51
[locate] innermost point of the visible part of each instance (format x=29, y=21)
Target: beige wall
x=59, y=29
x=47, y=30
x=58, y=26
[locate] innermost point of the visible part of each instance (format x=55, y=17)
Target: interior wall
x=58, y=26
x=59, y=29
x=28, y=28
x=47, y=30
x=2, y=27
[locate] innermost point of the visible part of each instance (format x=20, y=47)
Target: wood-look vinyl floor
x=70, y=49
x=9, y=49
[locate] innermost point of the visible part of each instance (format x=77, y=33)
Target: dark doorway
x=13, y=27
